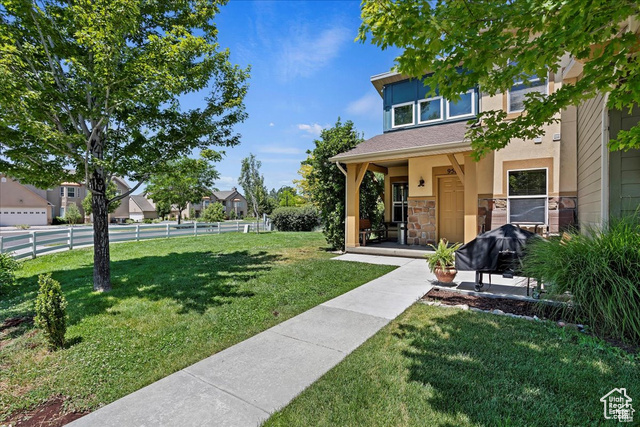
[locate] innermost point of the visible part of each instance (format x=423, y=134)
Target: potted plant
x=442, y=261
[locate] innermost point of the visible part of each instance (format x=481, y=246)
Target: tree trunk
x=179, y=216
x=101, y=266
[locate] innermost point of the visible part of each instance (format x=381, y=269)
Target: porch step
x=399, y=252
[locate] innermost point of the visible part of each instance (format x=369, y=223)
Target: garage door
x=22, y=215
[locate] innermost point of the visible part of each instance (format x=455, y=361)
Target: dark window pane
x=430, y=110
x=462, y=107
x=403, y=115
x=400, y=192
x=527, y=210
x=398, y=213
x=528, y=183
x=518, y=93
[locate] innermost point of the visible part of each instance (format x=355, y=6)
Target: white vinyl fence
x=35, y=243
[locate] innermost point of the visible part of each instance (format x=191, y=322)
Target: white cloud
x=304, y=52
x=275, y=149
x=313, y=129
x=225, y=182
x=271, y=124
x=369, y=105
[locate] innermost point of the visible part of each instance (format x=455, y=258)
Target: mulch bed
x=49, y=414
x=519, y=307
x=514, y=306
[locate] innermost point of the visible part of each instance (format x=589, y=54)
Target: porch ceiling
x=440, y=139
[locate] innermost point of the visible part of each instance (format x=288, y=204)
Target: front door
x=450, y=209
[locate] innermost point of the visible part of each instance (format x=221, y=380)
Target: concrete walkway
x=244, y=384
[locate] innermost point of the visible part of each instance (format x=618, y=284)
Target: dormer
x=405, y=104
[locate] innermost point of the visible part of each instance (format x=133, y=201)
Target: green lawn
x=445, y=367
x=173, y=302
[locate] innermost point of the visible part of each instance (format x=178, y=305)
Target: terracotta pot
x=445, y=275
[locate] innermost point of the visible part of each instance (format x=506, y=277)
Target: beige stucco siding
x=589, y=129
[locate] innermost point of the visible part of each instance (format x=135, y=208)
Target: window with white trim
x=402, y=115
x=527, y=195
x=517, y=94
x=430, y=110
x=464, y=107
x=61, y=191
x=71, y=192
x=399, y=192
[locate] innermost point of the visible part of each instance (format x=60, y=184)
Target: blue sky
x=306, y=71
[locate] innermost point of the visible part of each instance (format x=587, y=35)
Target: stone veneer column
x=421, y=223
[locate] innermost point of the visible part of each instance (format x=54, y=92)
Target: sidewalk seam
x=225, y=391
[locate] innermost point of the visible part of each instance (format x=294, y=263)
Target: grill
x=497, y=251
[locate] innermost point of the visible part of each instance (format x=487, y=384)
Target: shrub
x=72, y=214
x=23, y=226
x=147, y=221
x=51, y=311
x=59, y=221
x=600, y=269
x=213, y=213
x=295, y=219
x=8, y=267
x=129, y=221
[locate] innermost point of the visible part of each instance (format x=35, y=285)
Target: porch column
x=355, y=174
x=470, y=199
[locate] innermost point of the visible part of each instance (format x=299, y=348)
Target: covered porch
x=430, y=185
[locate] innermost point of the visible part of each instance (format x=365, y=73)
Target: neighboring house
x=57, y=198
x=232, y=201
x=21, y=205
x=433, y=186
x=141, y=208
x=121, y=214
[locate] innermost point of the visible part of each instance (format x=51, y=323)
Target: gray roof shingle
x=406, y=139
x=143, y=203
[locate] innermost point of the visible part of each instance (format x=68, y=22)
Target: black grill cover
x=483, y=253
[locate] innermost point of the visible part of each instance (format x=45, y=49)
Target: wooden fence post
x=1, y=245
x=195, y=228
x=71, y=238
x=218, y=227
x=168, y=232
x=137, y=232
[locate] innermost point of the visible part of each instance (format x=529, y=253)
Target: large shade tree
x=94, y=87
x=327, y=184
x=495, y=43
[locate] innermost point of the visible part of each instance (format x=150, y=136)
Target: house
x=14, y=194
x=233, y=202
x=435, y=188
x=19, y=204
x=141, y=208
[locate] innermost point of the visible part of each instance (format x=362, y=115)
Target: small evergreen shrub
x=147, y=221
x=8, y=267
x=51, y=311
x=600, y=270
x=295, y=219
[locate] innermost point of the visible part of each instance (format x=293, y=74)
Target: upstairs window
x=402, y=115
x=430, y=110
x=528, y=196
x=465, y=107
x=61, y=191
x=517, y=93
x=71, y=192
